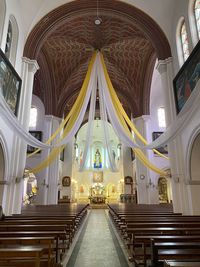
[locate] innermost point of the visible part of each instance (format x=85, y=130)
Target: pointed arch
x=182, y=41
x=4, y=158
x=46, y=25
x=12, y=39
x=2, y=17
x=192, y=22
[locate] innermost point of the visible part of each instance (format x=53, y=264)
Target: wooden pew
x=161, y=251
x=58, y=235
x=131, y=232
x=141, y=244
x=144, y=222
x=54, y=222
x=48, y=243
x=181, y=263
x=10, y=255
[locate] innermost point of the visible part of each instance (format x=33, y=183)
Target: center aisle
x=97, y=245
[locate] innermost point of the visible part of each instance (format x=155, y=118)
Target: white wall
x=156, y=101
x=162, y=14
x=13, y=8
x=40, y=126
x=179, y=10
x=86, y=180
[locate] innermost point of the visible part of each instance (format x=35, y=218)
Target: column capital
x=52, y=118
x=142, y=118
x=162, y=65
x=146, y=117
x=32, y=64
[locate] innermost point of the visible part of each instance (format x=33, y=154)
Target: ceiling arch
x=128, y=38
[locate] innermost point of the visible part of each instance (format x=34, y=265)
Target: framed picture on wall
x=37, y=135
x=66, y=181
x=128, y=180
x=10, y=83
x=187, y=78
x=163, y=149
x=98, y=177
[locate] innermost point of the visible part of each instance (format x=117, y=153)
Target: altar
x=97, y=199
x=97, y=193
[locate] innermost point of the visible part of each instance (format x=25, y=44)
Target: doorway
x=2, y=172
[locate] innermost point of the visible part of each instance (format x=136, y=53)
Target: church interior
x=99, y=133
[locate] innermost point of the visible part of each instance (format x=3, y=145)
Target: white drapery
x=171, y=132
x=90, y=123
x=18, y=129
x=104, y=120
x=13, y=122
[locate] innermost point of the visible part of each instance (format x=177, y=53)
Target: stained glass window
x=197, y=15
x=184, y=41
x=8, y=40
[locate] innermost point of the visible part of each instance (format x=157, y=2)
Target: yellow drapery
x=121, y=110
x=122, y=117
x=72, y=116
x=77, y=103
x=71, y=120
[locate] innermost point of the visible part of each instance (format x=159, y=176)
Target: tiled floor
x=97, y=245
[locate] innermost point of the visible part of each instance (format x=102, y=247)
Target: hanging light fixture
x=97, y=20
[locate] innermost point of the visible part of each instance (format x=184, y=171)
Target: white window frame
x=31, y=126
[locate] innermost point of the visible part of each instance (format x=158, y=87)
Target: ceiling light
x=97, y=20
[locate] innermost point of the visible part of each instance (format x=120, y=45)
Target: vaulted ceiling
x=63, y=42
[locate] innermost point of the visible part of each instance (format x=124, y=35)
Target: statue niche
x=97, y=160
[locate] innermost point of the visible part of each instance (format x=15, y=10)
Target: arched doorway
x=194, y=168
x=2, y=172
x=194, y=160
x=163, y=190
x=30, y=188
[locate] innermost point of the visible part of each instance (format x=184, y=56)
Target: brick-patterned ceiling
x=63, y=41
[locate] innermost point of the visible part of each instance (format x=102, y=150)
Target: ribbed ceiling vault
x=63, y=42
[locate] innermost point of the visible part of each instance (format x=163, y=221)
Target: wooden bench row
x=152, y=238
x=39, y=239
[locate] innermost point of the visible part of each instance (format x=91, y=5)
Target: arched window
x=161, y=117
x=33, y=117
x=197, y=15
x=8, y=40
x=2, y=17
x=12, y=40
x=184, y=41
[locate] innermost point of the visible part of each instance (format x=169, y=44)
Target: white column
x=68, y=171
x=179, y=190
x=42, y=176
x=53, y=169
x=29, y=68
x=128, y=167
x=142, y=172
x=48, y=178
